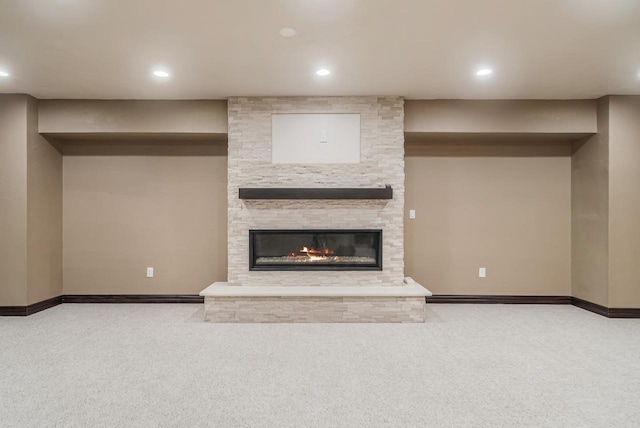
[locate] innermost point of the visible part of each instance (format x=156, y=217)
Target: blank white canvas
x=297, y=138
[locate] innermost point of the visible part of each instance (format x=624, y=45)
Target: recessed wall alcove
x=502, y=202
x=133, y=201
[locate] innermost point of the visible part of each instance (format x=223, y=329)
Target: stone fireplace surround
x=294, y=296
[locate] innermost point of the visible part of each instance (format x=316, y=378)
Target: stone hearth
x=225, y=303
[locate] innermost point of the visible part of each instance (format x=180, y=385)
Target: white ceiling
x=415, y=48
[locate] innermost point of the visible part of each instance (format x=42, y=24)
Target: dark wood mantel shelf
x=316, y=193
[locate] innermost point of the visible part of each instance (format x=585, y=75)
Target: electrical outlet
x=412, y=214
x=482, y=272
x=149, y=272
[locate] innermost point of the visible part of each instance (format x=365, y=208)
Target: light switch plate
x=149, y=272
x=412, y=214
x=482, y=272
x=323, y=136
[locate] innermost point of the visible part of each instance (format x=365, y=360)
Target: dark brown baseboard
x=536, y=300
x=591, y=307
x=440, y=298
x=604, y=311
x=491, y=299
x=13, y=311
x=132, y=298
x=99, y=298
x=624, y=313
x=22, y=311
x=45, y=304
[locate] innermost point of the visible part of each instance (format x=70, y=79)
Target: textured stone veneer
x=382, y=162
x=314, y=309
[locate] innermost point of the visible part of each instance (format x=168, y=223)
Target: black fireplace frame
x=305, y=267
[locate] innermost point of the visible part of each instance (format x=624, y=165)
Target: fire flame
x=313, y=253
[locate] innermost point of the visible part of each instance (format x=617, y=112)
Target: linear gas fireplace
x=315, y=249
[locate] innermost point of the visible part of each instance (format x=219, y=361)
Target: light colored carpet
x=469, y=365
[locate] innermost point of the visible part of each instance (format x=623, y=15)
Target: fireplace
x=286, y=250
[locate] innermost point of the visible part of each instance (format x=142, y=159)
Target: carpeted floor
x=469, y=365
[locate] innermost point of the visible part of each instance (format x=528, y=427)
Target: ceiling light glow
x=287, y=32
x=484, y=72
x=161, y=73
x=323, y=72
x=4, y=74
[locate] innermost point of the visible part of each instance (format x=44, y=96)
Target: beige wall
x=500, y=116
x=13, y=200
x=133, y=116
x=161, y=206
x=502, y=206
x=44, y=213
x=624, y=202
x=590, y=213
x=494, y=184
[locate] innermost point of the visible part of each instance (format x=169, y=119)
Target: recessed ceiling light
x=484, y=72
x=160, y=73
x=323, y=72
x=4, y=74
x=287, y=32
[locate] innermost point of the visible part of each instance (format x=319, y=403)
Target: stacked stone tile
x=314, y=309
x=382, y=163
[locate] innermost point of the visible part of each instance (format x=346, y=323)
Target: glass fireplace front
x=315, y=249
